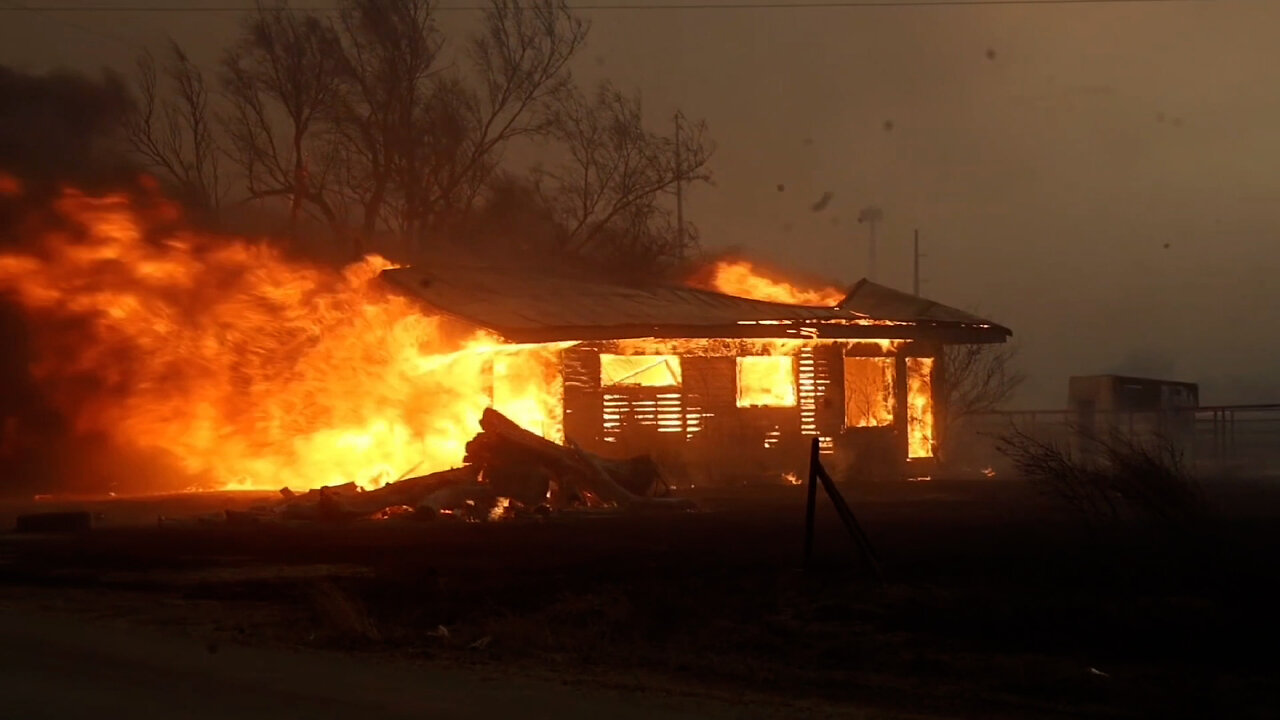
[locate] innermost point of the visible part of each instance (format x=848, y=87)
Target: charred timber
x=630, y=483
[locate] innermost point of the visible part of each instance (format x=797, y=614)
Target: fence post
x=851, y=523
x=818, y=473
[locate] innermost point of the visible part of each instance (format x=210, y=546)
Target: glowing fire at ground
x=249, y=369
x=742, y=279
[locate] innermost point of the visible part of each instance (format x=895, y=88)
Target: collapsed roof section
x=529, y=309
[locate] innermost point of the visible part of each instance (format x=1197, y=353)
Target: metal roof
x=874, y=300
x=525, y=308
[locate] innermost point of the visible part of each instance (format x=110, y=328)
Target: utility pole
x=915, y=266
x=871, y=216
x=871, y=251
x=679, y=192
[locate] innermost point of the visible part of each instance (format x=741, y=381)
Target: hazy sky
x=1047, y=154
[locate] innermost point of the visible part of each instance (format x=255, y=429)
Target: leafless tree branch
x=283, y=79
x=978, y=378
x=172, y=129
x=520, y=58
x=608, y=193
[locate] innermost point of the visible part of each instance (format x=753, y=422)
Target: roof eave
x=944, y=334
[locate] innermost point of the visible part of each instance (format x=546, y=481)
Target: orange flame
x=251, y=369
x=766, y=381
x=868, y=391
x=920, y=407
x=742, y=279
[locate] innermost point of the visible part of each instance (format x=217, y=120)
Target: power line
x=596, y=7
x=8, y=5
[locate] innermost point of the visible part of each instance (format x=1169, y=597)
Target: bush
x=1110, y=476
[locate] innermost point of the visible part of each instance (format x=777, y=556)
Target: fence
x=1228, y=439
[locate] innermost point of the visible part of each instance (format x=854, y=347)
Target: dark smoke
x=63, y=127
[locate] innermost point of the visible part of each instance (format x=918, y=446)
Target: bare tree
x=370, y=122
x=171, y=128
x=978, y=378
x=422, y=133
x=391, y=51
x=609, y=193
x=975, y=379
x=283, y=80
x=519, y=60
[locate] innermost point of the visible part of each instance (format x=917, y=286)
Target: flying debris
x=888, y=126
x=823, y=202
x=781, y=187
x=991, y=54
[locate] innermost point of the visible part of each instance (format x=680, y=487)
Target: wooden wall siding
x=820, y=379
x=643, y=414
x=711, y=392
x=702, y=417
x=583, y=398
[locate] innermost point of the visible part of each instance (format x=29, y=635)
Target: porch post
x=900, y=397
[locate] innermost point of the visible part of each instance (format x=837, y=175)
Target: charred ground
x=996, y=604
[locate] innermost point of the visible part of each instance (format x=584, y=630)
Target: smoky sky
x=59, y=126
x=1099, y=178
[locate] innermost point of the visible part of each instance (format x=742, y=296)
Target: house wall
x=699, y=425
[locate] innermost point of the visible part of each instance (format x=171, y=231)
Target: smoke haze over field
x=1099, y=178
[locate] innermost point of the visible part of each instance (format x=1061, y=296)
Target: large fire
x=742, y=279
x=249, y=369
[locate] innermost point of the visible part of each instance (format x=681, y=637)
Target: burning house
x=220, y=362
x=736, y=376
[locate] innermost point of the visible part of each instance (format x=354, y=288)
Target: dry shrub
x=1110, y=476
x=341, y=615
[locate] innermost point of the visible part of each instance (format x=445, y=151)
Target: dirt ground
x=996, y=603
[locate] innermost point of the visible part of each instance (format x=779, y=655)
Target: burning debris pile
x=509, y=472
